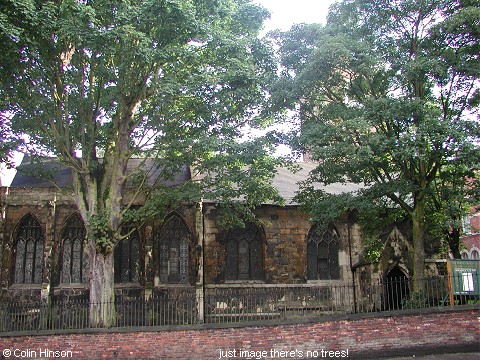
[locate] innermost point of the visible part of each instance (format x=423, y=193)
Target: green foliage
x=416, y=300
x=388, y=93
x=373, y=247
x=162, y=199
x=7, y=141
x=325, y=207
x=102, y=85
x=101, y=233
x=98, y=83
x=17, y=19
x=453, y=193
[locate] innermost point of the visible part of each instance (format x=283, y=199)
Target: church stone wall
x=286, y=231
x=285, y=245
x=40, y=205
x=52, y=210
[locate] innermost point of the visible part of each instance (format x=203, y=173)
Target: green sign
x=464, y=277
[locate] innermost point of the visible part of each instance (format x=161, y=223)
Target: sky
x=284, y=13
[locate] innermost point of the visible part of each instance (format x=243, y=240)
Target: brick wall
x=355, y=336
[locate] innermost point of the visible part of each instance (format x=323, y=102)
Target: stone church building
x=43, y=253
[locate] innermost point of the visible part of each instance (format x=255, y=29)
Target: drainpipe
x=352, y=269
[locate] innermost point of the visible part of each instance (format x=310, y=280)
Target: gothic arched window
x=74, y=255
x=29, y=252
x=244, y=254
x=174, y=239
x=475, y=255
x=126, y=257
x=322, y=255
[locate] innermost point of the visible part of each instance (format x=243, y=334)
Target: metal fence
x=223, y=304
x=164, y=308
x=308, y=300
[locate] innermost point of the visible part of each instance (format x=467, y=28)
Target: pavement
x=467, y=352
x=455, y=356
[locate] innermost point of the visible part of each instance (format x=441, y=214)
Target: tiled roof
x=285, y=181
x=61, y=176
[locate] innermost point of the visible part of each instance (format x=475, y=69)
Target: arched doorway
x=396, y=289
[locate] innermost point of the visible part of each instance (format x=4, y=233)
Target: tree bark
x=453, y=237
x=102, y=297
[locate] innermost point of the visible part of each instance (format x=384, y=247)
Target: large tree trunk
x=102, y=296
x=453, y=237
x=99, y=192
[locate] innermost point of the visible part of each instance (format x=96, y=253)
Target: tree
x=104, y=81
x=6, y=142
x=453, y=193
x=16, y=21
x=389, y=93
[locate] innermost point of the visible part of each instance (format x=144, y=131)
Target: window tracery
x=174, y=239
x=29, y=252
x=74, y=253
x=244, y=254
x=322, y=255
x=126, y=257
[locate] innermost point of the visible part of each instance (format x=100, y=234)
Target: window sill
x=178, y=285
x=126, y=284
x=72, y=286
x=240, y=283
x=326, y=282
x=25, y=286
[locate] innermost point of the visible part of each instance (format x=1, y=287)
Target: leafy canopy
x=388, y=96
x=98, y=82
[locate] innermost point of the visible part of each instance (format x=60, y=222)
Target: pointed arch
x=74, y=264
x=396, y=288
x=174, y=250
x=29, y=246
x=322, y=254
x=126, y=257
x=475, y=254
x=244, y=253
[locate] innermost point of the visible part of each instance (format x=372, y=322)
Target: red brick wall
x=362, y=336
x=475, y=223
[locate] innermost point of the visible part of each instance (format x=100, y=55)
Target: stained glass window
x=244, y=254
x=126, y=257
x=29, y=252
x=74, y=265
x=174, y=239
x=322, y=255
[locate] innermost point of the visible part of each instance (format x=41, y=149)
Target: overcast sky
x=285, y=13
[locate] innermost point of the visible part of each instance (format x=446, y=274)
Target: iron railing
x=163, y=308
x=235, y=303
